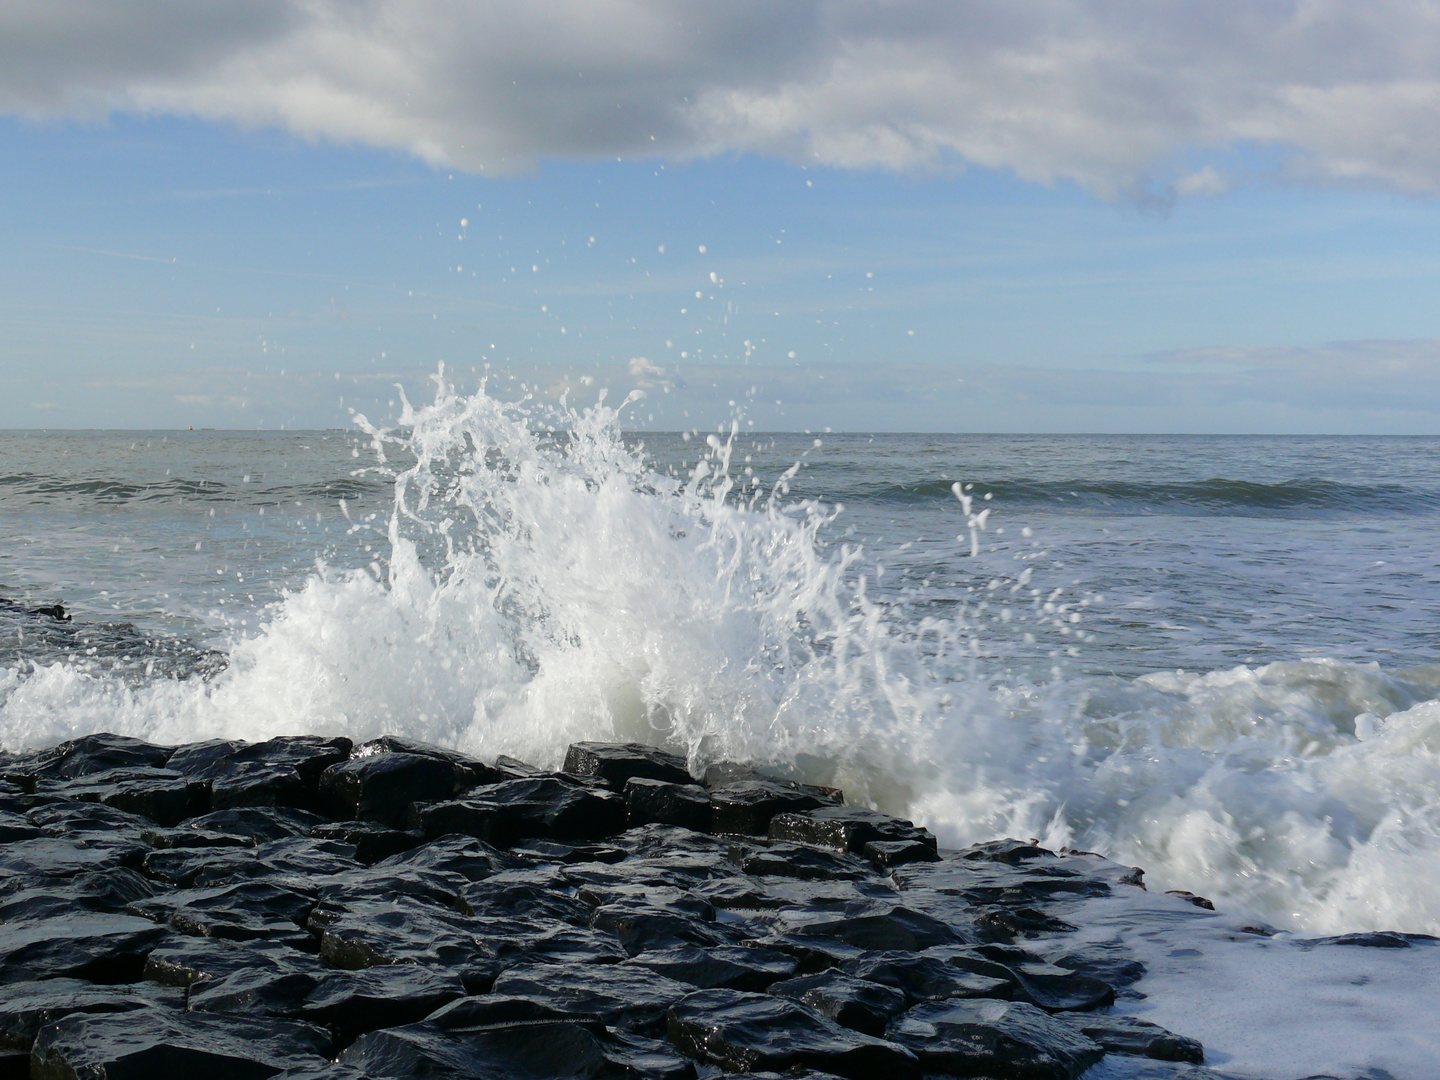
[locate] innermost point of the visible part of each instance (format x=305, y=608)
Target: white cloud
x=1116, y=95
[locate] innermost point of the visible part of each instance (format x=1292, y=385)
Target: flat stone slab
x=987, y=1037
x=740, y=1031
x=95, y=947
x=156, y=1043
x=616, y=763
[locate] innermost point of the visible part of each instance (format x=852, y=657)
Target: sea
x=1217, y=658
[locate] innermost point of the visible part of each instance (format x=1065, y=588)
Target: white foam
x=545, y=588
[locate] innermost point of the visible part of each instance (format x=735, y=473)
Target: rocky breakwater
x=305, y=908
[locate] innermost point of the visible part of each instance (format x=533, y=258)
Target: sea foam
x=544, y=584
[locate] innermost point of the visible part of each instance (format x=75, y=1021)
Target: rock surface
x=304, y=908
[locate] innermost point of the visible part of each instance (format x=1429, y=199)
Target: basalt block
x=27, y=1007
x=103, y=891
x=259, y=824
x=157, y=1043
x=294, y=763
x=727, y=967
x=928, y=978
x=617, y=763
x=617, y=995
x=159, y=795
x=884, y=927
x=987, y=1037
x=244, y=912
x=97, y=948
x=469, y=771
x=886, y=854
x=1051, y=987
x=780, y=859
x=845, y=828
x=858, y=1004
x=96, y=753
x=380, y=787
x=1127, y=1035
x=535, y=1050
x=546, y=807
x=747, y=807
x=372, y=842
x=740, y=1031
x=664, y=803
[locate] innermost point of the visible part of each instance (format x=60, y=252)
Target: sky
x=1046, y=215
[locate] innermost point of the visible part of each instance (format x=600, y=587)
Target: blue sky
x=173, y=253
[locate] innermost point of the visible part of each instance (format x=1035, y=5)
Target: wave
x=43, y=488
x=540, y=590
x=1211, y=496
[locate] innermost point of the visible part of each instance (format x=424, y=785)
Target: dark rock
x=858, y=1004
x=546, y=807
x=617, y=995
x=729, y=967
x=1005, y=924
x=616, y=763
x=95, y=947
x=537, y=1050
x=887, y=853
x=1127, y=1035
x=845, y=828
x=552, y=851
x=89, y=754
x=292, y=856
x=780, y=859
x=380, y=787
x=352, y=1002
x=740, y=1031
x=469, y=771
x=103, y=891
x=928, y=978
x=167, y=839
x=1052, y=988
x=160, y=795
x=472, y=859
x=884, y=927
x=1375, y=939
x=153, y=1043
x=371, y=842
x=1191, y=898
x=515, y=769
x=1012, y=852
x=255, y=784
x=746, y=807
x=994, y=1038
x=400, y=930
x=243, y=912
x=664, y=803
x=29, y=1006
x=66, y=818
x=189, y=961
x=641, y=927
x=259, y=824
x=1109, y=962
x=283, y=771
x=723, y=773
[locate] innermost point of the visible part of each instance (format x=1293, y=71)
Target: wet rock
x=1127, y=1035
x=884, y=927
x=189, y=961
x=1191, y=898
x=98, y=948
x=472, y=859
x=987, y=1037
x=159, y=795
x=1011, y=852
x=845, y=828
x=928, y=978
x=244, y=912
x=617, y=995
x=867, y=1007
x=290, y=856
x=615, y=764
x=260, y=824
x=283, y=771
x=642, y=926
x=156, y=1043
x=27, y=1007
x=889, y=853
x=552, y=851
x=740, y=1031
x=515, y=769
x=67, y=818
x=1053, y=988
x=403, y=930
x=104, y=891
x=1004, y=925
x=663, y=803
x=536, y=1050
x=780, y=859
x=90, y=754
x=380, y=787
x=546, y=807
x=746, y=807
x=258, y=785
x=372, y=842
x=167, y=839
x=729, y=967
x=352, y=1002
x=13, y=827
x=1109, y=962
x=469, y=771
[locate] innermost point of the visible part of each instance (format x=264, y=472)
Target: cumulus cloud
x=1120, y=96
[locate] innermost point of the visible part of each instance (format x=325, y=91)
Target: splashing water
x=545, y=584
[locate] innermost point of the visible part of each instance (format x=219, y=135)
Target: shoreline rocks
x=303, y=907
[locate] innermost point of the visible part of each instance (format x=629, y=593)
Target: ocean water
x=1216, y=658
